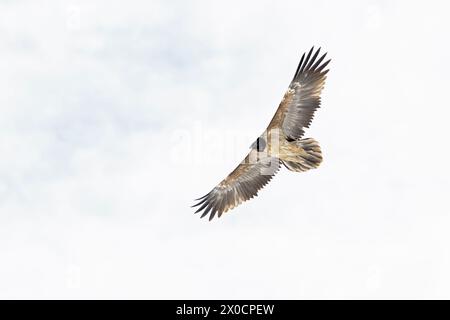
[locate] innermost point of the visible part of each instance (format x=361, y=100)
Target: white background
x=114, y=116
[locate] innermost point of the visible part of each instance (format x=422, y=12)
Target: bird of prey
x=282, y=143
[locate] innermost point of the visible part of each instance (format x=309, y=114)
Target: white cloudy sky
x=114, y=117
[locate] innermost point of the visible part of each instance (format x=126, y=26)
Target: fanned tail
x=309, y=158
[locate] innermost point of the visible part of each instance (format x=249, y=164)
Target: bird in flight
x=282, y=143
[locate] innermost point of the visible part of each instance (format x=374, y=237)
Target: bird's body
x=281, y=143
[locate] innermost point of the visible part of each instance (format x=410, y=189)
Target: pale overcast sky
x=114, y=116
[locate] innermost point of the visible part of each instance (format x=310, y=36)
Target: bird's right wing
x=242, y=184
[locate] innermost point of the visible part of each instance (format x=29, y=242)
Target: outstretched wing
x=241, y=185
x=302, y=98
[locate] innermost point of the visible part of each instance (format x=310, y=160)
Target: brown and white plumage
x=282, y=141
x=241, y=185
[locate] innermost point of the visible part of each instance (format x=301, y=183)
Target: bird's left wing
x=302, y=98
x=241, y=185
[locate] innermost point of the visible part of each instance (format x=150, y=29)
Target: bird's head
x=259, y=144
